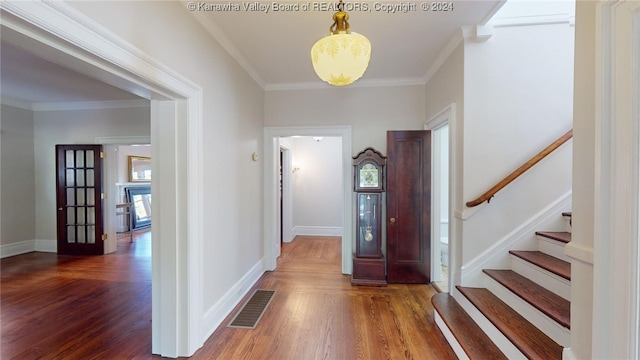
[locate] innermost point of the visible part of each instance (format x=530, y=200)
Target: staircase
x=522, y=312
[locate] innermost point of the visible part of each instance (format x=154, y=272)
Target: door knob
x=60, y=208
x=392, y=220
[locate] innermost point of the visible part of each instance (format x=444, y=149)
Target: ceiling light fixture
x=341, y=57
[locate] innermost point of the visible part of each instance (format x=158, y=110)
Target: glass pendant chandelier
x=341, y=57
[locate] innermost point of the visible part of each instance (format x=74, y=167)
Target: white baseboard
x=497, y=255
x=46, y=246
x=317, y=231
x=221, y=309
x=21, y=247
x=27, y=246
x=567, y=354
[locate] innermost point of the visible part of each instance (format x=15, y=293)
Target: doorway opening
x=176, y=122
x=307, y=175
x=441, y=272
x=310, y=187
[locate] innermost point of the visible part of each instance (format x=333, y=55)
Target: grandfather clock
x=368, y=261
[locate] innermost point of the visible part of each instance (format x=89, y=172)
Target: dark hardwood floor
x=78, y=307
x=58, y=307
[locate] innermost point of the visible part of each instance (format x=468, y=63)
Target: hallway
x=317, y=314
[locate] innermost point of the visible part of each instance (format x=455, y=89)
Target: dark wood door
x=408, y=206
x=79, y=199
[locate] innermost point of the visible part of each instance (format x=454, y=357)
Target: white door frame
x=271, y=149
x=616, y=255
x=110, y=176
x=60, y=33
x=446, y=116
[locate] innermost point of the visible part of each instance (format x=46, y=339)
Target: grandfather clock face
x=369, y=176
x=368, y=224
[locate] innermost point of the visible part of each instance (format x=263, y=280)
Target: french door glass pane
x=81, y=234
x=80, y=197
x=91, y=215
x=69, y=159
x=71, y=215
x=91, y=198
x=80, y=177
x=71, y=234
x=71, y=198
x=81, y=213
x=90, y=177
x=89, y=159
x=79, y=159
x=91, y=234
x=70, y=177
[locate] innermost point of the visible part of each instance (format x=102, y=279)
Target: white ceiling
x=274, y=48
x=277, y=44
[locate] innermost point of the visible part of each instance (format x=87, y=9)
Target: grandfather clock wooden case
x=369, y=266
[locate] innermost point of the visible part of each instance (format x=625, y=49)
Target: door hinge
x=101, y=154
x=101, y=196
x=104, y=237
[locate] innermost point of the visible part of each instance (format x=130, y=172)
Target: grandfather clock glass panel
x=368, y=244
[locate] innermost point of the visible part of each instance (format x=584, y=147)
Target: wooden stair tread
x=475, y=343
x=561, y=236
x=549, y=303
x=545, y=261
x=532, y=342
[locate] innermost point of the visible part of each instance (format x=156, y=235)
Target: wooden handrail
x=522, y=169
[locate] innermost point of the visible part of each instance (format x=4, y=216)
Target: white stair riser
x=451, y=339
x=555, y=331
x=553, y=248
x=542, y=277
x=498, y=338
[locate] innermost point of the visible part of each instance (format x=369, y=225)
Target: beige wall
x=18, y=176
x=317, y=185
x=446, y=86
x=369, y=111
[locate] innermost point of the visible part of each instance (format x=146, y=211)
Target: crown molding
x=549, y=19
x=89, y=105
x=123, y=140
x=16, y=103
x=364, y=83
x=216, y=32
x=76, y=105
x=493, y=12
